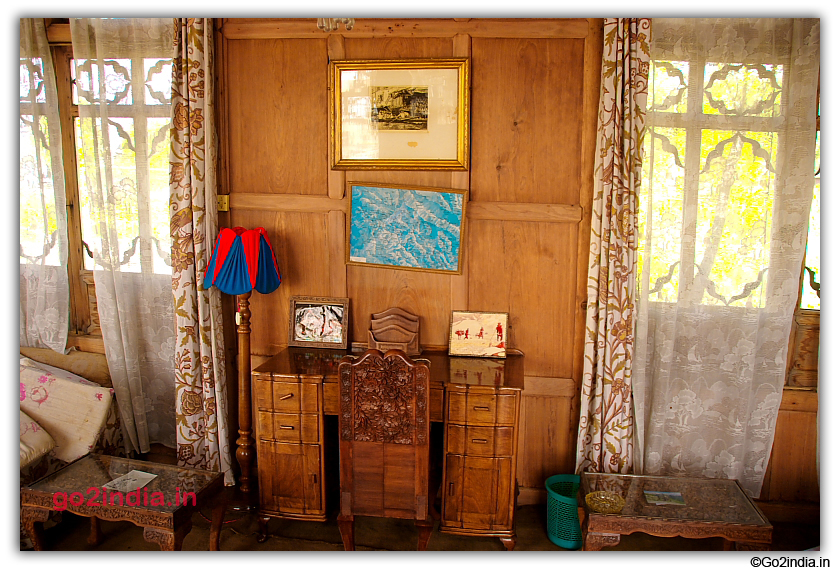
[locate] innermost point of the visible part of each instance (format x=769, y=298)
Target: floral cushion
x=71, y=409
x=35, y=442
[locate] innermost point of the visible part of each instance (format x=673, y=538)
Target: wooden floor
x=239, y=533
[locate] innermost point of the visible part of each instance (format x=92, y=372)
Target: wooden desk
x=477, y=400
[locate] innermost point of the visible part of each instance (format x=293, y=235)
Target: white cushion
x=35, y=442
x=72, y=410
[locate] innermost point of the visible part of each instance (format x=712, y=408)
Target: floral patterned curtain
x=201, y=404
x=605, y=435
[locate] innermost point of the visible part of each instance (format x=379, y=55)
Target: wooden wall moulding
x=803, y=367
x=271, y=28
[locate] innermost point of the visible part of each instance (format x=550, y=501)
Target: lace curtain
x=44, y=288
x=201, y=384
x=605, y=436
x=728, y=181
x=123, y=70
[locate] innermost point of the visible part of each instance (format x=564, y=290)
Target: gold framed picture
x=400, y=114
x=318, y=322
x=478, y=334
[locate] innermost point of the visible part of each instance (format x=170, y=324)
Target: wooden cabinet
x=295, y=389
x=479, y=471
x=290, y=447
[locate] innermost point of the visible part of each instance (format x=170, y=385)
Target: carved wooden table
x=713, y=508
x=164, y=507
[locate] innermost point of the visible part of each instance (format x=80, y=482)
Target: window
x=38, y=163
x=722, y=191
x=811, y=276
x=706, y=167
x=136, y=95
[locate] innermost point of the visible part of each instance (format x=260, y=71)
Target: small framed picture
x=478, y=334
x=318, y=322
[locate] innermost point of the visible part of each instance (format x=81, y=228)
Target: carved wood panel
x=383, y=400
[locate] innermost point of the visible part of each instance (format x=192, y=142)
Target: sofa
x=67, y=410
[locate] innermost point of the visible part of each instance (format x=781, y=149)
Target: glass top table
x=163, y=506
x=703, y=508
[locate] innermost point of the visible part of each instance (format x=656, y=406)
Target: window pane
x=739, y=89
x=132, y=152
x=668, y=86
x=810, y=300
x=735, y=215
x=113, y=78
x=660, y=219
x=37, y=207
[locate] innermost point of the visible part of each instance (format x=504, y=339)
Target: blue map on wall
x=405, y=227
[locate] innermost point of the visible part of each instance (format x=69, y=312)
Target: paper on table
x=131, y=481
x=664, y=498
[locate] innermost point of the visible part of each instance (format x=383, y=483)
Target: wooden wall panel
x=374, y=289
x=398, y=48
x=277, y=112
x=533, y=114
x=527, y=120
x=792, y=474
x=544, y=440
x=526, y=269
x=301, y=246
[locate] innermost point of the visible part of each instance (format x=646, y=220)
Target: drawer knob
x=479, y=441
x=287, y=427
x=286, y=397
x=481, y=408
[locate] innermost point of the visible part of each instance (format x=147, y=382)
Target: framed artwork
x=478, y=334
x=318, y=322
x=405, y=227
x=400, y=114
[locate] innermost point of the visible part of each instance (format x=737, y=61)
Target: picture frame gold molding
x=460, y=161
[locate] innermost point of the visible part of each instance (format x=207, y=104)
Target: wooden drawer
x=482, y=408
x=293, y=428
x=479, y=441
x=290, y=397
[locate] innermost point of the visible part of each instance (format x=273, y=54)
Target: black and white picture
x=399, y=108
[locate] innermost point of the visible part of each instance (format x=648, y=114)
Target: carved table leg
x=216, y=525
x=509, y=542
x=95, y=536
x=32, y=518
x=597, y=541
x=167, y=539
x=345, y=526
x=262, y=535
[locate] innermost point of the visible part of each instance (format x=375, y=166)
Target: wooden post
x=244, y=451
